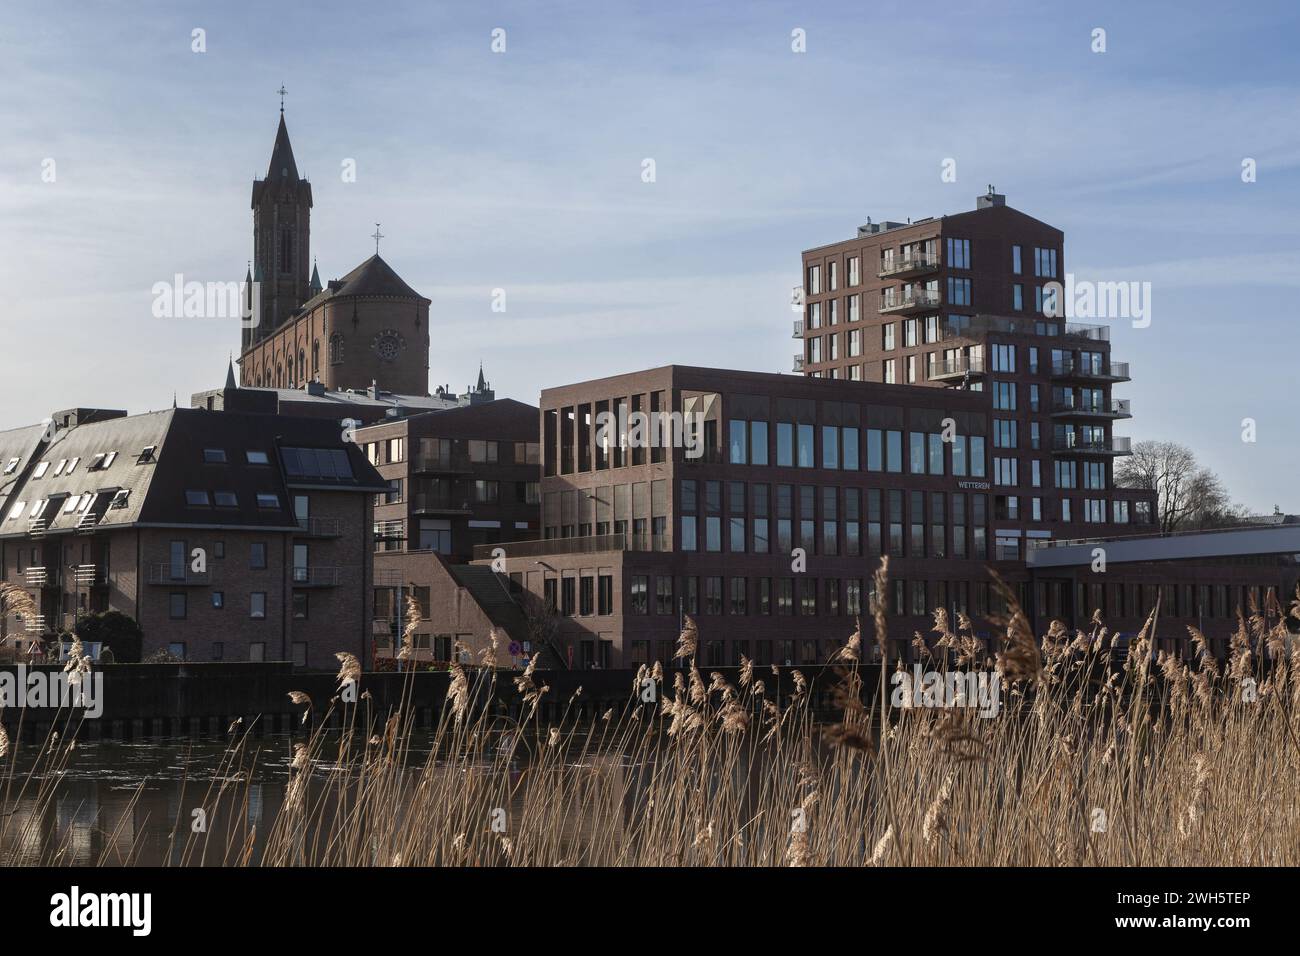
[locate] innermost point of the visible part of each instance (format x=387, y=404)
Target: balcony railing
x=911, y=300
x=394, y=530
x=798, y=363
x=798, y=329
x=1103, y=372
x=167, y=573
x=89, y=575
x=429, y=501
x=1115, y=445
x=1115, y=408
x=453, y=464
x=320, y=527
x=1084, y=330
x=592, y=544
x=916, y=263
x=37, y=577
x=317, y=577
x=957, y=367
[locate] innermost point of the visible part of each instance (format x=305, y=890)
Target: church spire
x=314, y=287
x=230, y=373
x=482, y=385
x=282, y=165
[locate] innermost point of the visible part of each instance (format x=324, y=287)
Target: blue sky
x=522, y=171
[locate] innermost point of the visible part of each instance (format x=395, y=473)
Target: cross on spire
x=377, y=236
x=282, y=91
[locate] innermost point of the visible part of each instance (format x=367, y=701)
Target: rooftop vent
x=316, y=388
x=990, y=199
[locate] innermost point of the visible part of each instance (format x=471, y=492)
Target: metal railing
x=455, y=463
x=89, y=575
x=431, y=501
x=1115, y=445
x=164, y=572
x=317, y=577
x=911, y=299
x=958, y=366
x=591, y=544
x=914, y=263
x=37, y=577
x=1117, y=407
x=1105, y=370
x=321, y=527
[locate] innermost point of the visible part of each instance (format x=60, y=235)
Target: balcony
x=1112, y=447
x=798, y=363
x=317, y=577
x=37, y=577
x=1116, y=408
x=453, y=464
x=394, y=530
x=912, y=300
x=89, y=575
x=176, y=575
x=958, y=368
x=1087, y=331
x=914, y=265
x=798, y=329
x=593, y=544
x=440, y=503
x=1088, y=372
x=320, y=528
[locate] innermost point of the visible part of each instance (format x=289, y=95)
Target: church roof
x=375, y=277
x=282, y=164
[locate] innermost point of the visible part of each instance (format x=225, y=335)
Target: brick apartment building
x=458, y=478
x=634, y=537
x=226, y=536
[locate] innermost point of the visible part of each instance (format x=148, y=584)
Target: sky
x=522, y=170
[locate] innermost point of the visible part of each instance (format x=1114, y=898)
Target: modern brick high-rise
x=966, y=301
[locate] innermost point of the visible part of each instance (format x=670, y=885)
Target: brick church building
x=366, y=328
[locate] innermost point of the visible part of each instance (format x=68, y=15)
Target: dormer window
x=58, y=469
x=96, y=463
x=256, y=457
x=13, y=464
x=72, y=463
x=41, y=469
x=120, y=498
x=214, y=456
x=146, y=455
x=17, y=510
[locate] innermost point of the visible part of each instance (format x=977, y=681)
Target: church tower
x=281, y=239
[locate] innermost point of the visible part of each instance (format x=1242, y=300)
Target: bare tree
x=1189, y=495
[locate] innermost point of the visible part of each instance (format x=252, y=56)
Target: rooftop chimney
x=990, y=199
